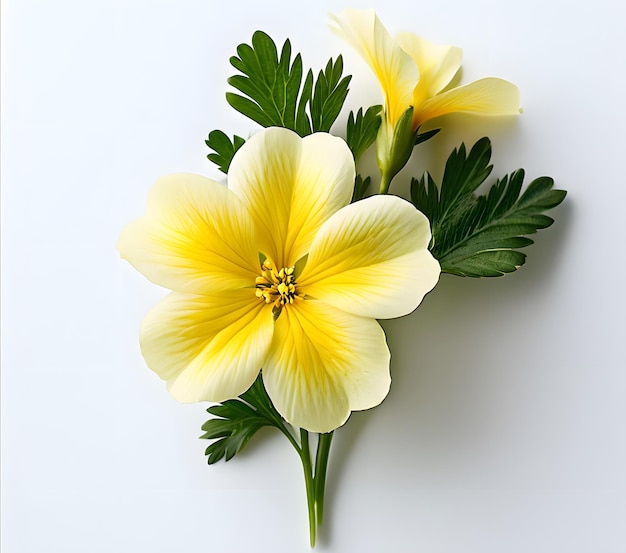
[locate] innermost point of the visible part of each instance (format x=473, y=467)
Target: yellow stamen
x=276, y=286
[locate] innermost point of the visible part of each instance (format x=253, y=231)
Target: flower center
x=276, y=286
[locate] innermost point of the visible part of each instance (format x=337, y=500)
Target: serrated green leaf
x=249, y=109
x=360, y=187
x=265, y=50
x=465, y=173
x=329, y=95
x=488, y=264
x=540, y=194
x=303, y=123
x=362, y=129
x=234, y=439
x=237, y=420
x=267, y=82
x=479, y=235
x=271, y=91
x=223, y=149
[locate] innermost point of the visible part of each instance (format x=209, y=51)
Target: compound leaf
x=362, y=130
x=237, y=420
x=223, y=149
x=479, y=235
x=329, y=95
x=272, y=93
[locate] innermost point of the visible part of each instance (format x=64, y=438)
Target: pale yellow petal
x=437, y=64
x=488, y=96
x=371, y=259
x=195, y=236
x=207, y=347
x=291, y=186
x=394, y=68
x=325, y=363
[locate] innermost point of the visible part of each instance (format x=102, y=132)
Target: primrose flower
x=416, y=77
x=278, y=273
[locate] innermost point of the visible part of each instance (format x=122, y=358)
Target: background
x=504, y=428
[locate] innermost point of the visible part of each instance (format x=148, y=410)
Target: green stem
x=305, y=456
x=385, y=182
x=314, y=477
x=288, y=435
x=321, y=464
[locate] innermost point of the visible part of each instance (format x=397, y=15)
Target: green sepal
x=262, y=258
x=394, y=148
x=423, y=137
x=299, y=266
x=223, y=149
x=479, y=235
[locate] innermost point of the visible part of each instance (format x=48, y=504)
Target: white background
x=504, y=428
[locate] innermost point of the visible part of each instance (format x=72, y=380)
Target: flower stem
x=385, y=182
x=305, y=456
x=315, y=478
x=321, y=464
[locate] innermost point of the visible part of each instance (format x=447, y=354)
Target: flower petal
x=207, y=347
x=394, y=68
x=488, y=96
x=437, y=64
x=371, y=259
x=291, y=186
x=325, y=363
x=195, y=236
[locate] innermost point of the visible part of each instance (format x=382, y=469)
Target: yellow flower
x=416, y=75
x=278, y=272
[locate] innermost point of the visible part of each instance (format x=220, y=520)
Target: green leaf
x=238, y=420
x=329, y=95
x=303, y=123
x=223, y=149
x=465, y=173
x=479, y=235
x=362, y=130
x=269, y=84
x=272, y=92
x=360, y=187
